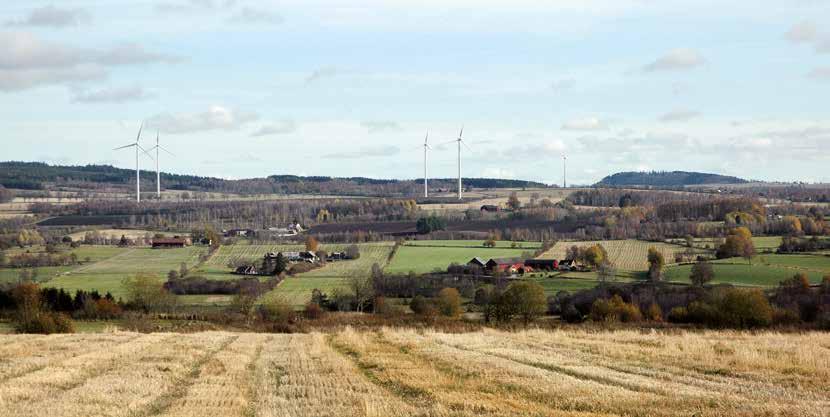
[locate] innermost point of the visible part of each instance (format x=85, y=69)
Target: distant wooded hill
x=666, y=179
x=41, y=176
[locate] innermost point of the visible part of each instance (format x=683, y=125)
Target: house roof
x=505, y=261
x=169, y=241
x=477, y=260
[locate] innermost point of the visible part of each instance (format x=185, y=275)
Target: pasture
x=765, y=270
x=423, y=259
x=474, y=244
x=106, y=275
x=392, y=372
x=625, y=255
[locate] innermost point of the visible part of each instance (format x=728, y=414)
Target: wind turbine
x=158, y=171
x=426, y=149
x=459, y=141
x=564, y=171
x=137, y=171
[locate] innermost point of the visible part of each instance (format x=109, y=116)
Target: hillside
x=666, y=179
x=41, y=176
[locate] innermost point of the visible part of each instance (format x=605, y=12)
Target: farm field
x=129, y=233
x=417, y=373
x=765, y=271
x=426, y=259
x=297, y=290
x=472, y=244
x=93, y=253
x=762, y=243
x=106, y=275
x=626, y=255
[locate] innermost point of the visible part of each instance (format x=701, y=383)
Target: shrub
x=745, y=308
x=527, y=300
x=449, y=302
x=313, y=311
x=419, y=304
x=784, y=317
x=679, y=315
x=654, y=313
x=571, y=315
x=615, y=309
x=277, y=310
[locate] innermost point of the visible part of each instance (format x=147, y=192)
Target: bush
x=313, y=311
x=419, y=304
x=784, y=317
x=571, y=315
x=527, y=300
x=277, y=310
x=449, y=302
x=615, y=309
x=46, y=323
x=679, y=315
x=654, y=313
x=745, y=308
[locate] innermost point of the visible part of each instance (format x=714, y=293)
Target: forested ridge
x=41, y=176
x=666, y=179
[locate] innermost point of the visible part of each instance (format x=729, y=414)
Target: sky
x=244, y=88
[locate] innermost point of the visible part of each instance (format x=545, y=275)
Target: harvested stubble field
x=627, y=255
x=416, y=373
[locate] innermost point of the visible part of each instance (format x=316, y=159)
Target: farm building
x=567, y=265
x=509, y=265
x=293, y=229
x=338, y=256
x=477, y=262
x=542, y=264
x=246, y=270
x=239, y=232
x=168, y=242
x=490, y=208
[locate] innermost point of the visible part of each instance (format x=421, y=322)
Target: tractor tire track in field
x=251, y=394
x=62, y=357
x=166, y=400
x=468, y=392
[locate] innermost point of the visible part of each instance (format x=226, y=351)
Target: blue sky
x=251, y=88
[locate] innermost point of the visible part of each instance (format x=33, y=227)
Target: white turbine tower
x=137, y=171
x=158, y=170
x=564, y=171
x=459, y=141
x=426, y=181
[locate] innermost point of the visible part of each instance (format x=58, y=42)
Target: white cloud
x=676, y=60
x=808, y=33
x=112, y=95
x=679, y=116
x=803, y=32
x=51, y=16
x=321, y=73
x=215, y=118
x=377, y=126
x=27, y=61
x=256, y=16
x=279, y=128
x=590, y=123
x=820, y=74
x=370, y=151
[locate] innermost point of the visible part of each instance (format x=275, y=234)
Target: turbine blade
x=145, y=152
x=125, y=146
x=460, y=134
x=165, y=150
x=466, y=146
x=138, y=136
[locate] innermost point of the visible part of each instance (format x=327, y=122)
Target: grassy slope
x=765, y=271
x=427, y=259
x=626, y=255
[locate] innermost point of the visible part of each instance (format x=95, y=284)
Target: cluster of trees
x=31, y=260
x=794, y=244
x=193, y=285
x=524, y=300
x=738, y=243
x=592, y=256
x=430, y=224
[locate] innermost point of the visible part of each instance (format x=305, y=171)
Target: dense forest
x=665, y=179
x=41, y=176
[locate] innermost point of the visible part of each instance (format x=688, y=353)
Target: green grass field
x=106, y=275
x=297, y=290
x=765, y=271
x=473, y=244
x=762, y=243
x=554, y=285
x=426, y=259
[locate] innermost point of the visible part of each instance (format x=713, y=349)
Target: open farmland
x=94, y=253
x=106, y=275
x=424, y=259
x=765, y=270
x=627, y=255
x=473, y=244
x=417, y=373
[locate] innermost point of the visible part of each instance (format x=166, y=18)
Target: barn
x=169, y=242
x=508, y=265
x=477, y=262
x=542, y=264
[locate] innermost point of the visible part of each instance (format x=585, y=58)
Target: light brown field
x=416, y=373
x=627, y=255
